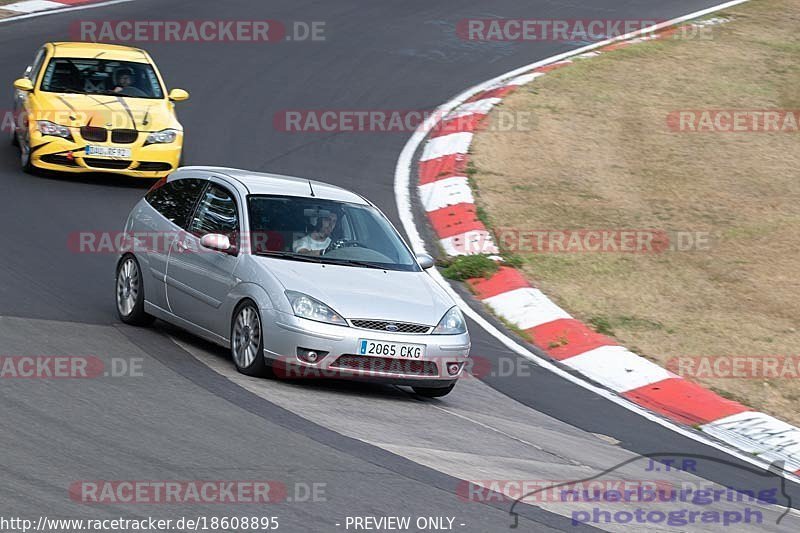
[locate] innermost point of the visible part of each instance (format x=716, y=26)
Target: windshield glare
x=99, y=76
x=329, y=231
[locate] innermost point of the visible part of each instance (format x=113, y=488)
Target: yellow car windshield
x=99, y=76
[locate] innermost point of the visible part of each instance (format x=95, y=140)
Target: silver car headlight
x=51, y=128
x=305, y=306
x=162, y=137
x=452, y=323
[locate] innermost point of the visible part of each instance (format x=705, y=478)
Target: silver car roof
x=251, y=182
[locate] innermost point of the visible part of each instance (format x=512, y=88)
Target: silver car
x=296, y=277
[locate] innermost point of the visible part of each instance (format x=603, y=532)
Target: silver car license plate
x=399, y=350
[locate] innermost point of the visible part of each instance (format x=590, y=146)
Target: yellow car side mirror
x=23, y=84
x=178, y=95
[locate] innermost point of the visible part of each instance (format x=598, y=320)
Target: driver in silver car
x=318, y=240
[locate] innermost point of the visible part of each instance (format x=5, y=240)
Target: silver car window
x=216, y=213
x=176, y=199
x=335, y=232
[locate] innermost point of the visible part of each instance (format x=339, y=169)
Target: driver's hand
x=118, y=89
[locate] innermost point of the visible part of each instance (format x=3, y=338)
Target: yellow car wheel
x=25, y=155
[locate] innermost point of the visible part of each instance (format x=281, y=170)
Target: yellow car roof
x=100, y=51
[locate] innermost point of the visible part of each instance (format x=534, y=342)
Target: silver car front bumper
x=285, y=333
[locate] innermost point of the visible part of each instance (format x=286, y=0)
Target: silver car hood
x=356, y=292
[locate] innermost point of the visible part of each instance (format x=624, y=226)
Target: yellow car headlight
x=50, y=128
x=162, y=137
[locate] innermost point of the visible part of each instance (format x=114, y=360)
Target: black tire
x=25, y=162
x=129, y=293
x=247, y=355
x=429, y=392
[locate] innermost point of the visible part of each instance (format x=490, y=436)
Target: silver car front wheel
x=247, y=340
x=130, y=293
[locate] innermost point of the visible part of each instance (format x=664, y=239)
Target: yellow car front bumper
x=69, y=155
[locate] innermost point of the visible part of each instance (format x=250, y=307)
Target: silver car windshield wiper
x=355, y=262
x=320, y=259
x=292, y=255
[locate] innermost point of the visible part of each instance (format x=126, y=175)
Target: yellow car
x=86, y=107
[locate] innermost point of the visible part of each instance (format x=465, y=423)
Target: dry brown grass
x=601, y=156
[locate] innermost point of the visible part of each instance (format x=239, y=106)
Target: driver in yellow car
x=123, y=78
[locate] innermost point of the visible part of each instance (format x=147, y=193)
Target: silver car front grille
x=383, y=365
x=390, y=327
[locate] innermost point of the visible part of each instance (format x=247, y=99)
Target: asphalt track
x=378, y=450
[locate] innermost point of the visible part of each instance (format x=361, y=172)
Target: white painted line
x=618, y=368
x=773, y=439
x=710, y=22
x=525, y=78
x=526, y=308
x=31, y=6
x=63, y=8
x=455, y=143
x=445, y=192
x=479, y=107
x=558, y=63
x=470, y=243
x=402, y=192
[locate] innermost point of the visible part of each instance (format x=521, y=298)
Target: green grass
x=607, y=324
x=469, y=266
x=602, y=325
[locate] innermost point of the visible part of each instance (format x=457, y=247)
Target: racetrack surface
x=188, y=417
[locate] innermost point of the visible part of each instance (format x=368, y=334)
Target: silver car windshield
x=326, y=231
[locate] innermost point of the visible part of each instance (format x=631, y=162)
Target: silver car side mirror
x=215, y=241
x=425, y=261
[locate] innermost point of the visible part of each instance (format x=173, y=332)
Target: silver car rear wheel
x=247, y=341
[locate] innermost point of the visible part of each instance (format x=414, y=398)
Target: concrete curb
x=35, y=6
x=448, y=200
x=27, y=9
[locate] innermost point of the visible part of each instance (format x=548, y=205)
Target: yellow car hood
x=112, y=112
